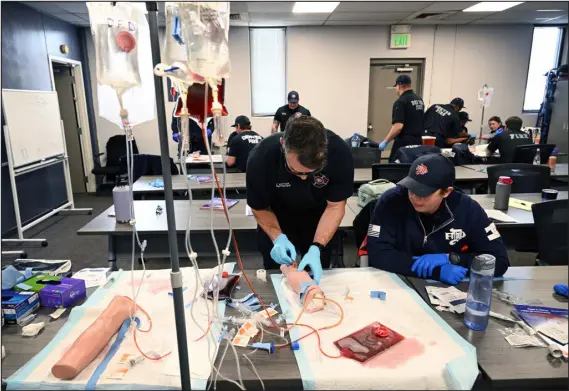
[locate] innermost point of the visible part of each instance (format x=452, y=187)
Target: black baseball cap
x=293, y=97
x=458, y=102
x=463, y=116
x=428, y=174
x=402, y=79
x=242, y=121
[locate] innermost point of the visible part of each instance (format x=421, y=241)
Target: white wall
x=329, y=67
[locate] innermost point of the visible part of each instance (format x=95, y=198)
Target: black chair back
x=144, y=164
x=527, y=178
x=365, y=157
x=552, y=226
x=116, y=148
x=393, y=172
x=526, y=153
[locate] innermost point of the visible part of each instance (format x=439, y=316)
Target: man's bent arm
x=275, y=126
x=394, y=131
x=267, y=220
x=329, y=222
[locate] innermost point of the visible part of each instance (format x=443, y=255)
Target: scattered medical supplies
x=92, y=276
x=448, y=299
x=19, y=305
x=551, y=322
x=381, y=295
x=262, y=275
x=62, y=293
x=216, y=204
x=513, y=299
x=368, y=342
x=32, y=330
x=57, y=313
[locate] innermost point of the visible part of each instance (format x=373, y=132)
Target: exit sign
x=400, y=41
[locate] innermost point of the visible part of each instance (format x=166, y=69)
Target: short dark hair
x=245, y=127
x=495, y=119
x=307, y=137
x=514, y=123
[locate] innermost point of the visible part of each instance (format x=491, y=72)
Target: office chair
x=526, y=153
x=393, y=172
x=365, y=157
x=527, y=178
x=551, y=224
x=115, y=149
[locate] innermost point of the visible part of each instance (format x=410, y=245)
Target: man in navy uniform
x=423, y=228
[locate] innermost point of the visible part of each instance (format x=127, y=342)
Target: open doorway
x=67, y=81
x=382, y=77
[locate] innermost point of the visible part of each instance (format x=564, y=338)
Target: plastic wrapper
x=121, y=38
x=205, y=32
x=519, y=338
x=513, y=299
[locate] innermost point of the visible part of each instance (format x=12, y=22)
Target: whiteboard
x=34, y=125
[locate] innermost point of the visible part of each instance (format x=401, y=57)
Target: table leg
x=112, y=253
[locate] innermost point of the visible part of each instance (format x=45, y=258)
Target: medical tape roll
x=93, y=340
x=262, y=274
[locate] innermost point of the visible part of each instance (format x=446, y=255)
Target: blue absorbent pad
x=460, y=373
x=18, y=380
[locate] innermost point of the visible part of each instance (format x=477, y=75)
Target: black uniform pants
x=301, y=235
x=403, y=142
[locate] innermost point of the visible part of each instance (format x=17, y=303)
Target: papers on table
x=499, y=216
x=447, y=299
x=248, y=211
x=93, y=276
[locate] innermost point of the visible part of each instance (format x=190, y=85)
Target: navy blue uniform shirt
x=396, y=233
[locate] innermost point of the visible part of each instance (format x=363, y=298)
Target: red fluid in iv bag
x=125, y=41
x=196, y=97
x=365, y=344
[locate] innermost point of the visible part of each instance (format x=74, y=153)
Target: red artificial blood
x=125, y=41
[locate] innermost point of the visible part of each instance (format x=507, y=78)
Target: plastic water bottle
x=356, y=140
x=502, y=196
x=479, y=292
x=552, y=162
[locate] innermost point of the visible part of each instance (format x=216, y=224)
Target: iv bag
x=205, y=31
x=118, y=70
x=116, y=31
x=485, y=95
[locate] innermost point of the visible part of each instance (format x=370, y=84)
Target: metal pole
x=176, y=276
x=481, y=125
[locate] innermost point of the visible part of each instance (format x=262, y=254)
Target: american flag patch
x=373, y=230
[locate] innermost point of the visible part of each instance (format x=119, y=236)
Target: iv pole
x=175, y=274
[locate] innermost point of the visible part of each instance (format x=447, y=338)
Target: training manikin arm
x=301, y=283
x=329, y=222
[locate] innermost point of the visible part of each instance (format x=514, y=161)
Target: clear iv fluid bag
x=121, y=38
x=116, y=34
x=175, y=50
x=205, y=31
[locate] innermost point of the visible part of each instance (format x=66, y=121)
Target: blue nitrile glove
x=383, y=145
x=473, y=135
x=452, y=274
x=209, y=132
x=312, y=259
x=283, y=251
x=425, y=264
x=561, y=289
x=176, y=137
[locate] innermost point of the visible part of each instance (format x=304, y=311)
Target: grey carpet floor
x=91, y=251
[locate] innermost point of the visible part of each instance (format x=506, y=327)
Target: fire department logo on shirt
x=492, y=232
x=454, y=236
x=421, y=169
x=320, y=180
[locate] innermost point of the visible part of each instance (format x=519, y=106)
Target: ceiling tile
x=498, y=22
x=360, y=22
x=449, y=6
x=367, y=16
x=468, y=16
x=433, y=22
x=259, y=16
x=71, y=18
x=542, y=5
x=522, y=15
x=44, y=7
x=267, y=6
x=76, y=7
x=237, y=7
x=283, y=23
x=382, y=6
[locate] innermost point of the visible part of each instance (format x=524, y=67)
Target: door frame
x=82, y=118
x=410, y=61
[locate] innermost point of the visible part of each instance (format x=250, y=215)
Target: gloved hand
x=176, y=137
x=452, y=274
x=472, y=135
x=383, y=145
x=209, y=132
x=283, y=251
x=425, y=264
x=312, y=259
x=561, y=289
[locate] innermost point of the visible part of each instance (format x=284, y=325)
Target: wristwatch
x=454, y=258
x=320, y=246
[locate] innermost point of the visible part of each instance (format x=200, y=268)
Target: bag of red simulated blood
x=368, y=342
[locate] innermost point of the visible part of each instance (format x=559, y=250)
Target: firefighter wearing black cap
x=422, y=228
x=406, y=118
x=241, y=144
x=443, y=122
x=285, y=112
